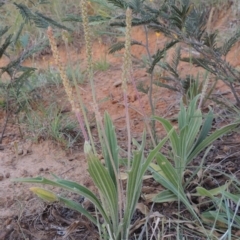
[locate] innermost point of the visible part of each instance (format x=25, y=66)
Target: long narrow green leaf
x=222, y=221
x=112, y=142
x=204, y=192
x=182, y=117
x=193, y=120
x=77, y=207
x=234, y=197
x=156, y=168
x=176, y=191
x=106, y=186
x=133, y=191
x=193, y=129
x=153, y=152
x=49, y=196
x=213, y=192
x=165, y=196
x=174, y=138
x=180, y=157
x=171, y=182
x=192, y=108
x=205, y=143
x=205, y=128
x=169, y=171
x=72, y=187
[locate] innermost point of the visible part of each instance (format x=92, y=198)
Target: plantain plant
x=116, y=212
x=115, y=205
x=193, y=136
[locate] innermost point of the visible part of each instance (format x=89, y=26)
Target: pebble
x=7, y=175
x=20, y=152
x=118, y=83
x=165, y=204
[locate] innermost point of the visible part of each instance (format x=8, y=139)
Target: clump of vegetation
x=17, y=85
x=51, y=123
x=202, y=211
x=183, y=24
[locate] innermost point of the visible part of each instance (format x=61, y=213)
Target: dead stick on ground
x=66, y=171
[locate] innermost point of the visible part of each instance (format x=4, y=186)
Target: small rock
x=20, y=152
x=118, y=83
x=7, y=175
x=114, y=101
x=1, y=147
x=165, y=204
x=66, y=109
x=41, y=169
x=1, y=176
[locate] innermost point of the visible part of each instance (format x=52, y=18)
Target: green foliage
x=117, y=216
x=101, y=65
x=92, y=19
x=160, y=54
x=37, y=18
x=49, y=123
x=192, y=139
x=111, y=151
x=16, y=76
x=221, y=216
x=120, y=45
x=192, y=87
x=119, y=3
x=183, y=22
x=74, y=72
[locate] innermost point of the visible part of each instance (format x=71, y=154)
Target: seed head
x=127, y=62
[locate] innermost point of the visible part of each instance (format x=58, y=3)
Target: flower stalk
x=126, y=75
x=65, y=81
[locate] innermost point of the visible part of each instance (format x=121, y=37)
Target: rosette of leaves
x=115, y=205
x=192, y=137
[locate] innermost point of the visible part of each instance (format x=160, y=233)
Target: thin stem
x=151, y=86
x=142, y=110
x=77, y=112
x=79, y=118
x=84, y=115
x=204, y=91
x=82, y=108
x=128, y=129
x=150, y=93
x=147, y=44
